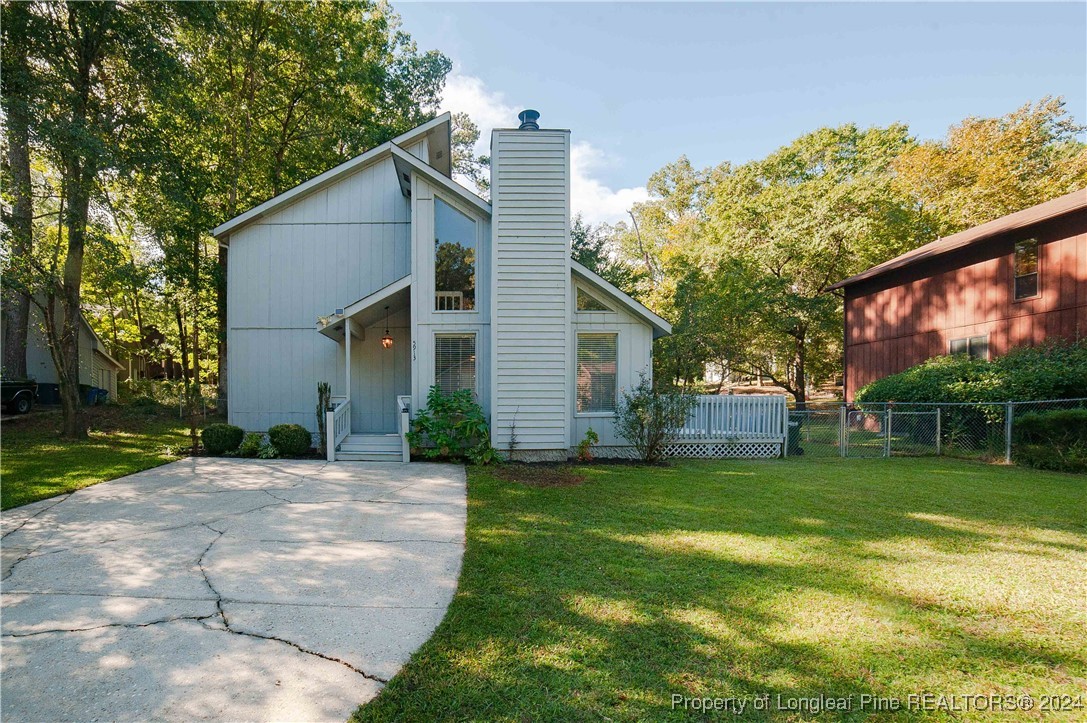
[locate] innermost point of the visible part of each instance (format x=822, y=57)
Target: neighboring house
x=1015, y=281
x=96, y=367
x=383, y=276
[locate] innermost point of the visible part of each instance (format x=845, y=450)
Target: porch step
x=370, y=448
x=369, y=457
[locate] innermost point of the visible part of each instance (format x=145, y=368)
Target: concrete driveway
x=226, y=589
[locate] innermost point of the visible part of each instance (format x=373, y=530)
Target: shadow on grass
x=38, y=464
x=792, y=579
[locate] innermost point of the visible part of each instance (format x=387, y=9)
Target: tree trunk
x=16, y=304
x=75, y=426
x=801, y=392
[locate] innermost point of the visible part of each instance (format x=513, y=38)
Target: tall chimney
x=531, y=369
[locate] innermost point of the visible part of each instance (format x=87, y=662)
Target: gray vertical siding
x=379, y=375
x=530, y=311
x=306, y=260
x=635, y=356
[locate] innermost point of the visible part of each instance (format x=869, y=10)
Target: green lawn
x=737, y=579
x=35, y=463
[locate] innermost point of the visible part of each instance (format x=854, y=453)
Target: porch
x=371, y=401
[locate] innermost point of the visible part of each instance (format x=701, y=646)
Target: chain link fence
x=982, y=430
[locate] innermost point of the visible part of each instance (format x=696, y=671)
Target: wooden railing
x=337, y=427
x=736, y=417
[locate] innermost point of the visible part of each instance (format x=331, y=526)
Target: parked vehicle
x=18, y=395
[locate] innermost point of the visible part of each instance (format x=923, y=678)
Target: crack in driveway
x=363, y=600
x=230, y=629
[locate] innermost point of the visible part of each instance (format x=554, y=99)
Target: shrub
x=1056, y=370
x=452, y=427
x=251, y=445
x=649, y=418
x=1055, y=440
x=324, y=405
x=585, y=446
x=291, y=440
x=221, y=438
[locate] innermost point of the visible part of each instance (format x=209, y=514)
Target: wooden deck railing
x=736, y=417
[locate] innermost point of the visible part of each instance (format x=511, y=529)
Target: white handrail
x=403, y=402
x=337, y=427
x=736, y=417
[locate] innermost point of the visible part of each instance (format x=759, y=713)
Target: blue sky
x=640, y=84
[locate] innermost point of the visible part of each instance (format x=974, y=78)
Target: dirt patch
x=540, y=475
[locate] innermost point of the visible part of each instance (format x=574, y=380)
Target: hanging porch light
x=387, y=340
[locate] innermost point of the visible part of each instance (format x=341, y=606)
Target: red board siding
x=900, y=319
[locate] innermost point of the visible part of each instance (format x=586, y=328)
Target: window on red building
x=1026, y=269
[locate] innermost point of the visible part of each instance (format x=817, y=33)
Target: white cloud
x=486, y=108
x=490, y=109
x=596, y=202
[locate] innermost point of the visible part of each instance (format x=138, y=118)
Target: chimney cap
x=528, y=118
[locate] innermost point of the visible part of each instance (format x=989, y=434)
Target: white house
x=383, y=276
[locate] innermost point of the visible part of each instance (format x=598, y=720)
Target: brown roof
x=1074, y=201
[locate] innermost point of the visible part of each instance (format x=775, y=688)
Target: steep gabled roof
x=1075, y=201
x=660, y=326
x=434, y=128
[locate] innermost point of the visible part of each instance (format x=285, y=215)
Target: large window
x=597, y=377
x=454, y=259
x=1026, y=269
x=976, y=347
x=455, y=362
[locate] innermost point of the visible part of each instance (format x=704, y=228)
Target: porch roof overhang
x=367, y=310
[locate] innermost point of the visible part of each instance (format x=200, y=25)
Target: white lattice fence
x=724, y=450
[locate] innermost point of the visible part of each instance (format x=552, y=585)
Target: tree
x=93, y=66
x=17, y=96
x=989, y=167
x=467, y=166
x=593, y=248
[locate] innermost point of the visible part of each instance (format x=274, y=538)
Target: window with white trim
x=454, y=259
x=1026, y=269
x=597, y=372
x=975, y=347
x=455, y=362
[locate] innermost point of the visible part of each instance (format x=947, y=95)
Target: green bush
x=290, y=440
x=452, y=427
x=649, y=418
x=1056, y=370
x=1055, y=440
x=251, y=445
x=221, y=438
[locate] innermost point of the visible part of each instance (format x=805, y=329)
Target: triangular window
x=588, y=302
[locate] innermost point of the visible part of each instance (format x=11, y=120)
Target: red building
x=1015, y=281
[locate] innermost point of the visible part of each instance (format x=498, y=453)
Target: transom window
x=454, y=259
x=1026, y=268
x=588, y=302
x=597, y=372
x=455, y=362
x=976, y=347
